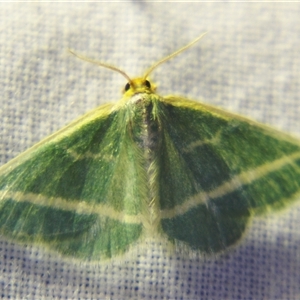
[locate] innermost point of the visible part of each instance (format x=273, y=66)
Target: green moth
x=148, y=166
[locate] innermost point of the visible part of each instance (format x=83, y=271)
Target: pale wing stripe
x=79, y=207
x=82, y=207
x=236, y=182
x=89, y=154
x=214, y=140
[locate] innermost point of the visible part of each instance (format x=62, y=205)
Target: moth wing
x=217, y=170
x=68, y=192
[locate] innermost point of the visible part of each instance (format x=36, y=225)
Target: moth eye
x=127, y=86
x=148, y=84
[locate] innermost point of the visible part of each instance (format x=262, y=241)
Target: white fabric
x=249, y=63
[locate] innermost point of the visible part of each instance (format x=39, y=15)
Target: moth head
x=139, y=85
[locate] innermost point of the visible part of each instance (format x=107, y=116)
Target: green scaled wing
x=70, y=192
x=147, y=166
x=217, y=170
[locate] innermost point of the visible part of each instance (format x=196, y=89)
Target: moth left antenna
x=101, y=64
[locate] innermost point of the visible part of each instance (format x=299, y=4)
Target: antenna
x=101, y=64
x=172, y=55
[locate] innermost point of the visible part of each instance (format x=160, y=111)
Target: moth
x=147, y=166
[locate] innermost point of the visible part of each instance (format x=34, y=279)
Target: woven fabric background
x=248, y=63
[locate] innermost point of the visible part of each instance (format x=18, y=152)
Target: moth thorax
x=144, y=127
x=150, y=131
